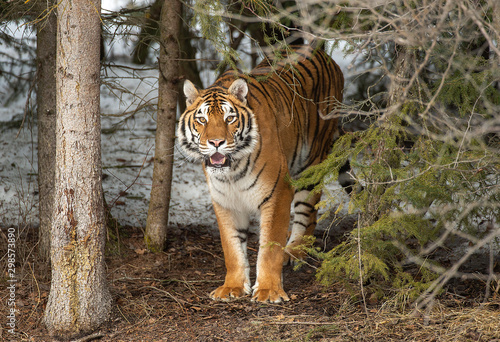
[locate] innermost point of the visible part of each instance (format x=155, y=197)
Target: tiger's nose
x=216, y=142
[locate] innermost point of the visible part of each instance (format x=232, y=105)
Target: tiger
x=253, y=133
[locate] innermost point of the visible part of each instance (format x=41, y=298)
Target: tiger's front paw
x=225, y=293
x=270, y=295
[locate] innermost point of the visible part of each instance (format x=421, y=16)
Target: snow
x=126, y=160
x=127, y=151
x=127, y=167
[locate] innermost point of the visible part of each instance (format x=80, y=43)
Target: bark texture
x=156, y=227
x=46, y=112
x=79, y=300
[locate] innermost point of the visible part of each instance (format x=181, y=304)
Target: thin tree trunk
x=156, y=227
x=403, y=66
x=187, y=63
x=495, y=36
x=46, y=112
x=79, y=300
x=149, y=30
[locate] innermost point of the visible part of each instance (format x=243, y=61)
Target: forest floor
x=165, y=297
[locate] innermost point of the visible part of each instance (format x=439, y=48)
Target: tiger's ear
x=239, y=89
x=190, y=91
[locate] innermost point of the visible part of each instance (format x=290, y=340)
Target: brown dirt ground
x=164, y=297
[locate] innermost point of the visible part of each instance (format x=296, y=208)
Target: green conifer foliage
x=429, y=164
x=441, y=187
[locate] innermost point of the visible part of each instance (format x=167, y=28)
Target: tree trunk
x=79, y=300
x=187, y=63
x=156, y=227
x=149, y=29
x=495, y=8
x=46, y=112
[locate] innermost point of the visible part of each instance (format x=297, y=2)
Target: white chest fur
x=243, y=195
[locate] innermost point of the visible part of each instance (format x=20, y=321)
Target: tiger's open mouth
x=217, y=160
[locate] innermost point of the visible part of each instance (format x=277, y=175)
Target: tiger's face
x=217, y=126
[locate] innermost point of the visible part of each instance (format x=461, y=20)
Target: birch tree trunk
x=46, y=112
x=156, y=226
x=79, y=300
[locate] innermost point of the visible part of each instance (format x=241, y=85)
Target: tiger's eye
x=231, y=119
x=201, y=120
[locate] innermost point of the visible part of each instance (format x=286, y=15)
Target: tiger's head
x=217, y=127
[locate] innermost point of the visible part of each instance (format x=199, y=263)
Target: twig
x=294, y=323
x=133, y=182
x=123, y=315
x=26, y=106
x=138, y=279
x=90, y=337
x=480, y=25
x=172, y=280
x=425, y=300
x=491, y=275
x=168, y=294
x=212, y=254
x=361, y=267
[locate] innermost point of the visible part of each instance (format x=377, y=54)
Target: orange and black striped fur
x=252, y=132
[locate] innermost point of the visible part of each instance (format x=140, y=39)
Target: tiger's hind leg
x=304, y=223
x=305, y=218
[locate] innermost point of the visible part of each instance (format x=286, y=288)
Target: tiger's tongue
x=217, y=159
